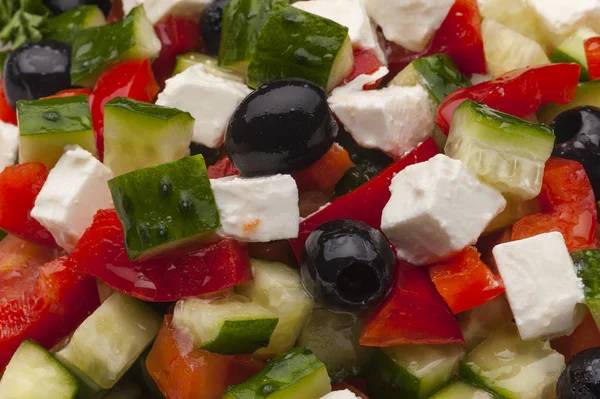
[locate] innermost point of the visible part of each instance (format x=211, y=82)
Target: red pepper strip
x=222, y=168
x=592, y=53
x=326, y=172
x=7, y=114
x=101, y=253
x=367, y=202
x=365, y=63
x=71, y=92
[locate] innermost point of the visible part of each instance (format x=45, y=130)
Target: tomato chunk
x=223, y=168
x=326, y=172
x=101, y=253
x=592, y=53
x=7, y=114
x=365, y=63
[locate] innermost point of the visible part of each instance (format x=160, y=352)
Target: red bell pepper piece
x=223, y=168
x=19, y=187
x=326, y=172
x=71, y=92
x=116, y=12
x=464, y=281
x=519, y=92
x=184, y=372
x=133, y=79
x=7, y=114
x=101, y=253
x=365, y=63
x=568, y=206
x=344, y=385
x=366, y=202
x=413, y=313
x=45, y=303
x=592, y=53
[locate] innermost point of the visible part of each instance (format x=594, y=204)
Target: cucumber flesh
x=34, y=373
x=211, y=66
x=572, y=50
x=504, y=151
x=587, y=263
x=588, y=93
x=515, y=210
x=461, y=390
x=478, y=323
x=67, y=26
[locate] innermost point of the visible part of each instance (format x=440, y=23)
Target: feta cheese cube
x=437, y=208
x=409, y=23
x=158, y=9
x=561, y=18
x=352, y=14
x=260, y=209
x=9, y=144
x=394, y=119
x=76, y=188
x=345, y=394
x=542, y=286
x=210, y=99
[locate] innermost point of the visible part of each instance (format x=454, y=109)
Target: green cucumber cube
x=506, y=152
x=588, y=93
x=461, y=390
x=165, y=206
x=587, y=263
x=572, y=50
x=297, y=44
x=96, y=49
x=47, y=126
x=411, y=371
x=67, y=26
x=478, y=323
x=211, y=66
x=513, y=368
x=139, y=135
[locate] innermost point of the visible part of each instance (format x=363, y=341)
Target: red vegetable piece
x=413, y=313
x=365, y=63
x=592, y=53
x=464, y=281
x=222, y=168
x=133, y=79
x=116, y=12
x=19, y=187
x=7, y=114
x=326, y=172
x=367, y=202
x=585, y=336
x=101, y=253
x=71, y=92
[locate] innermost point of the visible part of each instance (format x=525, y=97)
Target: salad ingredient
x=341, y=394
x=107, y=343
x=9, y=144
x=282, y=127
x=96, y=49
x=7, y=114
x=592, y=55
x=295, y=374
x=34, y=373
x=210, y=99
x=539, y=310
x=580, y=380
x=101, y=253
x=572, y=50
x=21, y=21
x=478, y=323
x=586, y=95
x=159, y=9
x=259, y=209
x=437, y=208
x=506, y=152
x=48, y=126
x=64, y=6
x=165, y=133
x=187, y=210
x=460, y=389
x=587, y=264
x=211, y=66
x=280, y=52
x=35, y=70
x=585, y=336
x=354, y=178
x=326, y=172
x=211, y=25
x=65, y=27
x=366, y=63
x=222, y=168
x=74, y=191
x=347, y=265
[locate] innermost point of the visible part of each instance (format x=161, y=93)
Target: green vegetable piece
x=211, y=66
x=139, y=135
x=298, y=44
x=587, y=263
x=461, y=390
x=3, y=234
x=21, y=20
x=96, y=49
x=588, y=93
x=296, y=374
x=572, y=51
x=67, y=26
x=165, y=206
x=3, y=56
x=47, y=126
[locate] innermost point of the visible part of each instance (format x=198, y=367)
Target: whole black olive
x=581, y=378
x=347, y=265
x=60, y=6
x=211, y=23
x=578, y=138
x=282, y=127
x=37, y=70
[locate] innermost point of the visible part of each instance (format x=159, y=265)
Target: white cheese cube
x=409, y=23
x=394, y=119
x=542, y=286
x=345, y=394
x=158, y=9
x=561, y=18
x=352, y=14
x=437, y=208
x=76, y=188
x=259, y=209
x=210, y=99
x=9, y=144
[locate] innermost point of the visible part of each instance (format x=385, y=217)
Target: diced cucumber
x=279, y=288
x=513, y=368
x=572, y=50
x=296, y=374
x=124, y=390
x=242, y=22
x=165, y=206
x=229, y=326
x=588, y=93
x=478, y=323
x=461, y=390
x=107, y=343
x=515, y=210
x=504, y=151
x=411, y=371
x=67, y=26
x=298, y=44
x=96, y=49
x=47, y=126
x=506, y=49
x=34, y=373
x=139, y=135
x=211, y=66
x=333, y=338
x=587, y=263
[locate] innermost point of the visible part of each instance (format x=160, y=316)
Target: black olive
x=211, y=23
x=37, y=70
x=60, y=6
x=282, y=127
x=347, y=265
x=578, y=138
x=581, y=378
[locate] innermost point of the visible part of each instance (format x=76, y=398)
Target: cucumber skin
x=234, y=339
x=559, y=57
x=587, y=264
x=588, y=93
x=66, y=26
x=466, y=373
x=440, y=76
x=386, y=380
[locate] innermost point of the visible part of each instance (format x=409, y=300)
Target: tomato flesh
x=223, y=168
x=365, y=63
x=326, y=172
x=592, y=53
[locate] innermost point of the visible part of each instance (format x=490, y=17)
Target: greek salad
x=315, y=199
